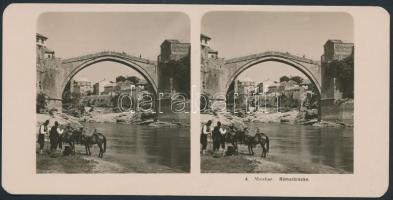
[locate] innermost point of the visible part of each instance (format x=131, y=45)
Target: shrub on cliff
x=41, y=103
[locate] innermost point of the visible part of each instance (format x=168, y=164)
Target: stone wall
x=212, y=79
x=337, y=111
x=169, y=116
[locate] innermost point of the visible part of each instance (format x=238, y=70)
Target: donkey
x=258, y=138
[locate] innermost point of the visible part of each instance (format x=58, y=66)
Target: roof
x=47, y=50
x=80, y=79
x=41, y=36
x=246, y=80
x=210, y=50
x=306, y=82
x=205, y=36
x=295, y=87
x=334, y=41
x=142, y=82
x=170, y=41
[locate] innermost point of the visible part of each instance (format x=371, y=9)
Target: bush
x=41, y=103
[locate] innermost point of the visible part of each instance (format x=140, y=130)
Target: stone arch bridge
x=228, y=70
x=58, y=72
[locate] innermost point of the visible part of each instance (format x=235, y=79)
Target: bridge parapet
x=108, y=53
x=272, y=53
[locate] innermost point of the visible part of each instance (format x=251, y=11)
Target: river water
x=151, y=150
x=146, y=149
x=326, y=146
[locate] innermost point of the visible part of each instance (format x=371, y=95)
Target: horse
x=95, y=138
x=69, y=136
x=258, y=138
x=234, y=137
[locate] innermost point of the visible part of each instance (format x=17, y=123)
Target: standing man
x=43, y=130
x=223, y=131
x=218, y=137
x=54, y=136
x=206, y=130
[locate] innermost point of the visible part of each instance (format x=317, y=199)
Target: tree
x=71, y=99
x=120, y=79
x=149, y=88
x=133, y=79
x=284, y=78
x=41, y=102
x=313, y=88
x=297, y=79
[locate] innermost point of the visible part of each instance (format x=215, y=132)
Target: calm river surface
x=327, y=146
x=146, y=149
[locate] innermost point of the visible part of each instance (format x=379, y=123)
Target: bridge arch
x=111, y=58
x=244, y=65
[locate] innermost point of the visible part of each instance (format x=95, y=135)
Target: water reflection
x=328, y=146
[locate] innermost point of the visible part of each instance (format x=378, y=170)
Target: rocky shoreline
x=290, y=117
x=138, y=118
x=101, y=117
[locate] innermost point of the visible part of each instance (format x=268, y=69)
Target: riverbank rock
x=276, y=117
x=62, y=118
x=226, y=119
x=329, y=124
x=159, y=124
x=109, y=117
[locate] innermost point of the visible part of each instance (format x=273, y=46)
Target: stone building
x=43, y=55
x=207, y=52
x=174, y=67
x=245, y=87
x=124, y=86
x=173, y=50
x=82, y=86
x=334, y=50
x=244, y=90
x=211, y=66
x=42, y=50
x=294, y=92
x=109, y=89
x=98, y=88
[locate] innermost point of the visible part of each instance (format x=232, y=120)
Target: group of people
x=217, y=134
x=58, y=135
x=54, y=135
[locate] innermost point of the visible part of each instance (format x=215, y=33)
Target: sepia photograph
x=195, y=100
x=113, y=92
x=277, y=92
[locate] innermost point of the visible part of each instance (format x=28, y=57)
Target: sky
x=236, y=34
x=77, y=34
x=106, y=71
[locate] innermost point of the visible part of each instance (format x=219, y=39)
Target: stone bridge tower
x=174, y=77
x=333, y=88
